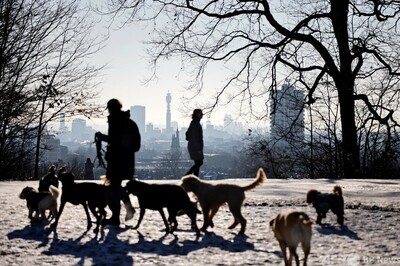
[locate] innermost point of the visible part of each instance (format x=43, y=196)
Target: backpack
x=131, y=139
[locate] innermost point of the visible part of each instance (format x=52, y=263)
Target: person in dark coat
x=194, y=136
x=89, y=173
x=123, y=141
x=49, y=179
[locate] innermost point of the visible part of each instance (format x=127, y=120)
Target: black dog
x=87, y=194
x=323, y=202
x=158, y=196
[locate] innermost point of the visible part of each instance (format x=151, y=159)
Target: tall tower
x=168, y=98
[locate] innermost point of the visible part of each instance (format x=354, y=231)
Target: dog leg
x=30, y=216
x=319, y=218
x=306, y=249
x=53, y=211
x=89, y=221
x=36, y=218
x=172, y=213
x=167, y=229
x=282, y=245
x=340, y=219
x=293, y=253
x=142, y=211
x=130, y=211
x=92, y=209
x=59, y=214
x=206, y=213
x=212, y=214
x=235, y=210
x=192, y=217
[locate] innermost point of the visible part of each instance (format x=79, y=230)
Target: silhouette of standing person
x=49, y=179
x=123, y=141
x=89, y=173
x=194, y=136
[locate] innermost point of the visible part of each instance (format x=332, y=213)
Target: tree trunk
x=351, y=158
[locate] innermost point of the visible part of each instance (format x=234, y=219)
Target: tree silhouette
x=262, y=42
x=44, y=74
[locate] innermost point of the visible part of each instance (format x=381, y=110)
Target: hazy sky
x=128, y=68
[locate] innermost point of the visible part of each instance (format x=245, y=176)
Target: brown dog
x=291, y=228
x=211, y=197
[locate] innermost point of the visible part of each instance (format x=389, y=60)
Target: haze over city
x=128, y=77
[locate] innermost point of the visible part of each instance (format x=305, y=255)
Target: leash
x=99, y=150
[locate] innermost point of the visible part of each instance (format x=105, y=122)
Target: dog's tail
x=54, y=191
x=337, y=190
x=104, y=178
x=257, y=181
x=305, y=220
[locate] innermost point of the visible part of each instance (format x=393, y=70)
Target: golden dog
x=212, y=196
x=291, y=228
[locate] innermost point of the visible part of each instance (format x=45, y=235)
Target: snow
x=369, y=237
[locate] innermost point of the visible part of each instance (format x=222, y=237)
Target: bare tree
x=261, y=40
x=44, y=48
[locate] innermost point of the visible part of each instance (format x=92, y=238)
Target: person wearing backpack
x=123, y=141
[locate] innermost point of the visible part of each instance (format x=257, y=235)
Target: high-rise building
x=287, y=116
x=168, y=98
x=78, y=128
x=138, y=114
x=52, y=153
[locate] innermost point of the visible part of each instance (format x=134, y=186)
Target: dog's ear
x=271, y=223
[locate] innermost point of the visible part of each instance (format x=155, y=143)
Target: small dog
x=39, y=202
x=158, y=196
x=291, y=228
x=323, y=202
x=211, y=197
x=87, y=194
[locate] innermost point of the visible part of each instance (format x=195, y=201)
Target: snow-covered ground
x=370, y=235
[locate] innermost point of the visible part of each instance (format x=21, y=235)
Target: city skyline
x=131, y=78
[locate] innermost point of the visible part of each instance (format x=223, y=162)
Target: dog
x=89, y=195
x=39, y=202
x=291, y=228
x=158, y=196
x=212, y=196
x=323, y=202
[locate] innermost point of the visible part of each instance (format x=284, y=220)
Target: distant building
x=78, y=129
x=52, y=151
x=231, y=125
x=175, y=145
x=138, y=114
x=168, y=99
x=287, y=117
